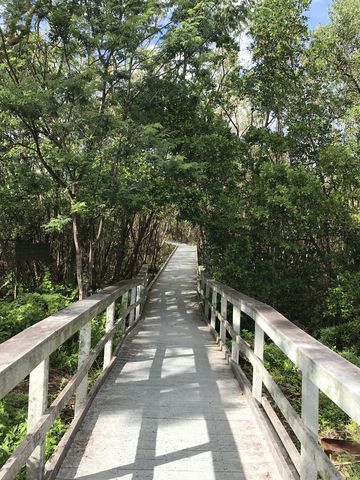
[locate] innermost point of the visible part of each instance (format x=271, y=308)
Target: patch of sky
x=164, y=25
x=318, y=13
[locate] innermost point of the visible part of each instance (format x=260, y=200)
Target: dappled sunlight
x=171, y=408
x=179, y=351
x=182, y=365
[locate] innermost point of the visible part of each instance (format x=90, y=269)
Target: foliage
x=54, y=436
x=285, y=374
x=13, y=414
x=121, y=120
x=26, y=310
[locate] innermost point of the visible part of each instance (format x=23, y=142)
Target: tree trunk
x=92, y=249
x=78, y=252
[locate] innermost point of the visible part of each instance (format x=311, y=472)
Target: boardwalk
x=171, y=408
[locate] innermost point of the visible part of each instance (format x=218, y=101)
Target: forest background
x=229, y=124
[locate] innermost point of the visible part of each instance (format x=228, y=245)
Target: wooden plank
x=213, y=309
x=283, y=434
x=236, y=318
x=110, y=318
x=137, y=309
x=207, y=301
x=84, y=350
x=287, y=470
x=222, y=323
x=257, y=372
x=132, y=316
x=303, y=433
x=310, y=417
x=38, y=401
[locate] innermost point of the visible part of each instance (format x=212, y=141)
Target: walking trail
x=171, y=408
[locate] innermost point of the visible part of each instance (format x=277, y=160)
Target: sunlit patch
x=184, y=459
x=135, y=371
x=177, y=364
x=179, y=351
x=171, y=307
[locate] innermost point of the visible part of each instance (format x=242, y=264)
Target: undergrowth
x=16, y=315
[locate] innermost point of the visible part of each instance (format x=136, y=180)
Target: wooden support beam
x=84, y=350
x=257, y=373
x=132, y=301
x=213, y=310
x=236, y=326
x=310, y=417
x=206, y=304
x=222, y=321
x=283, y=434
x=138, y=296
x=38, y=393
x=110, y=318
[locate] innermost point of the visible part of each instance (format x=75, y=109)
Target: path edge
x=285, y=468
x=54, y=463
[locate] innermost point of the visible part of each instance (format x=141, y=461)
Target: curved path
x=170, y=408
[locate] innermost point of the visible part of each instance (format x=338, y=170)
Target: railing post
x=38, y=393
x=110, y=318
x=236, y=326
x=84, y=349
x=138, y=296
x=125, y=301
x=259, y=352
x=201, y=281
x=206, y=301
x=144, y=291
x=223, y=312
x=310, y=416
x=132, y=301
x=214, y=304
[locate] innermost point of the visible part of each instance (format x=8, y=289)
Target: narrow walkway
x=171, y=408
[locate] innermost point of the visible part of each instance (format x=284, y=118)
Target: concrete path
x=171, y=408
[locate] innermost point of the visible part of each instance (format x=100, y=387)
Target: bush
x=26, y=310
x=342, y=302
x=13, y=414
x=342, y=337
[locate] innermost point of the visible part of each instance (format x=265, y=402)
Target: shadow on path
x=171, y=407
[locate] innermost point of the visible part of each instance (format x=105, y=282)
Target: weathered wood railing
x=28, y=354
x=321, y=369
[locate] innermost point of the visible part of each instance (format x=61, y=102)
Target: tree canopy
x=229, y=124
x=120, y=120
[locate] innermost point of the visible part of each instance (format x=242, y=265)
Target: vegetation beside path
x=228, y=124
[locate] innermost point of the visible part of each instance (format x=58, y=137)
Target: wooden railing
x=321, y=370
x=28, y=354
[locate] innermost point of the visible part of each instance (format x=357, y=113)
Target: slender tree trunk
x=143, y=227
x=78, y=253
x=121, y=250
x=92, y=249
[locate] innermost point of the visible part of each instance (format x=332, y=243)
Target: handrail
x=29, y=351
x=321, y=368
